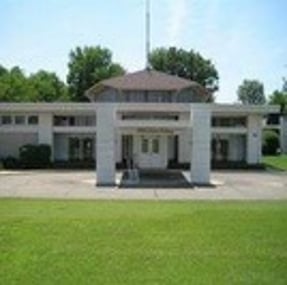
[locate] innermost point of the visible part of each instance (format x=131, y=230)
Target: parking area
x=58, y=184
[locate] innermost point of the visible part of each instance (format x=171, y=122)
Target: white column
x=283, y=134
x=45, y=130
x=118, y=147
x=183, y=142
x=200, y=147
x=105, y=145
x=233, y=148
x=254, y=139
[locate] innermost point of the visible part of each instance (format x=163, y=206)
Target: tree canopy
x=187, y=64
x=49, y=87
x=15, y=86
x=45, y=86
x=251, y=92
x=279, y=97
x=87, y=66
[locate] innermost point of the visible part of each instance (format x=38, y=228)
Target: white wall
x=61, y=147
x=236, y=147
x=200, y=148
x=254, y=139
x=283, y=133
x=11, y=142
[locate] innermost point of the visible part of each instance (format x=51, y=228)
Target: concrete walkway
x=230, y=185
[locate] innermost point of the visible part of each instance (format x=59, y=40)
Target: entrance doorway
x=151, y=152
x=220, y=149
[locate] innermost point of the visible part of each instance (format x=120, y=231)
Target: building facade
x=148, y=120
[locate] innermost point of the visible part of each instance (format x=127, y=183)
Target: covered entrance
x=149, y=144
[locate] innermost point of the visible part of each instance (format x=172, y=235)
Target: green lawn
x=105, y=242
x=279, y=162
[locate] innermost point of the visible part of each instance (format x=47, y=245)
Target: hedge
x=35, y=156
x=271, y=142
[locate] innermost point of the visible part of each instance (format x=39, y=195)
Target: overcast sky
x=244, y=39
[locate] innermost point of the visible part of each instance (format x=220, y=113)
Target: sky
x=245, y=39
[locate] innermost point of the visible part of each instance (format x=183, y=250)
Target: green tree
x=3, y=70
x=49, y=87
x=15, y=86
x=251, y=92
x=87, y=66
x=280, y=97
x=42, y=86
x=187, y=64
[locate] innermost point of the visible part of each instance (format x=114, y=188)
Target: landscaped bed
x=113, y=242
x=278, y=162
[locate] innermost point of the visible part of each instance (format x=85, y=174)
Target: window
x=273, y=119
x=74, y=148
x=33, y=120
x=20, y=120
x=6, y=120
x=150, y=116
x=71, y=121
x=144, y=145
x=155, y=145
x=229, y=121
x=87, y=149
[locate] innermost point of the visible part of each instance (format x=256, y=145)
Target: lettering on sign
x=154, y=130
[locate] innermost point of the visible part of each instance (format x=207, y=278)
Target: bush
x=10, y=162
x=271, y=142
x=35, y=156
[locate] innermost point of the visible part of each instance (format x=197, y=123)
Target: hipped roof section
x=147, y=80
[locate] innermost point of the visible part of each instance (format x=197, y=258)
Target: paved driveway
x=230, y=185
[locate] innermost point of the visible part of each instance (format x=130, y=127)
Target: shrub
x=35, y=156
x=10, y=162
x=271, y=142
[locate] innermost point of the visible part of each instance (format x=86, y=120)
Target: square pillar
x=45, y=131
x=105, y=145
x=254, y=139
x=283, y=134
x=201, y=144
x=183, y=141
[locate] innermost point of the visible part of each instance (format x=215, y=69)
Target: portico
x=149, y=141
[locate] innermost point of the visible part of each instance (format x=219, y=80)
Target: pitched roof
x=148, y=80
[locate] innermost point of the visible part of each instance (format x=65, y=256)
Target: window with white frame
x=6, y=120
x=33, y=120
x=19, y=120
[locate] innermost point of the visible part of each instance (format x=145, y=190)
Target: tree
x=187, y=64
x=280, y=97
x=42, y=86
x=15, y=87
x=49, y=87
x=87, y=66
x=3, y=70
x=251, y=92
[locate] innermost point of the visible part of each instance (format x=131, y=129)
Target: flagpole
x=147, y=34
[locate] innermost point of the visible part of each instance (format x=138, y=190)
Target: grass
x=105, y=242
x=278, y=162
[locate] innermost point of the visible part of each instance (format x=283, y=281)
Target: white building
x=148, y=119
